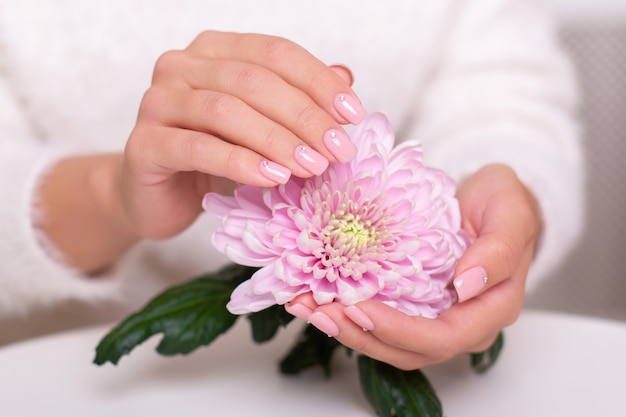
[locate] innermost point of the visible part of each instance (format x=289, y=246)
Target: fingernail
x=470, y=283
x=324, y=323
x=349, y=108
x=310, y=160
x=299, y=310
x=274, y=171
x=359, y=317
x=340, y=145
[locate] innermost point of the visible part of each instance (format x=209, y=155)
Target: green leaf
x=189, y=315
x=393, y=392
x=313, y=348
x=265, y=323
x=482, y=361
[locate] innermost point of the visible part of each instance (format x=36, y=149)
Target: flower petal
x=244, y=300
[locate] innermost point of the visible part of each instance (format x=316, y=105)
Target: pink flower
x=383, y=227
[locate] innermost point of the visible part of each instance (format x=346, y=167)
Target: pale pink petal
x=242, y=255
x=218, y=205
x=244, y=300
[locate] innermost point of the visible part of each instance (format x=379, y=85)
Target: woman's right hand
x=253, y=109
x=229, y=107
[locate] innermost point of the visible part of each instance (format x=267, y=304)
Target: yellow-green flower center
x=350, y=233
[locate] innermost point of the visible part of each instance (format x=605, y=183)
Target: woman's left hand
x=503, y=218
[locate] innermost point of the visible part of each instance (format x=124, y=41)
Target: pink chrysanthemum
x=383, y=227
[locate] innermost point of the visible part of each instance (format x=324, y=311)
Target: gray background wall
x=593, y=279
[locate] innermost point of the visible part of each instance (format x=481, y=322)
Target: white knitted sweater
x=476, y=81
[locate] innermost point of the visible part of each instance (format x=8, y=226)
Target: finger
x=313, y=77
x=227, y=117
x=370, y=344
x=332, y=320
x=158, y=151
x=490, y=260
x=284, y=108
x=344, y=72
x=403, y=341
x=508, y=230
x=461, y=328
x=484, y=344
x=302, y=306
x=400, y=344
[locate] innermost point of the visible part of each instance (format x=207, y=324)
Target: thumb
x=505, y=218
x=491, y=259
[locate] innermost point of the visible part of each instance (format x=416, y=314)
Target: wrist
x=104, y=179
x=81, y=212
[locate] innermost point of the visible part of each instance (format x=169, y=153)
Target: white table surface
x=552, y=365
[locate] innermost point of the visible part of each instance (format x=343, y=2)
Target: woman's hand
x=231, y=107
x=503, y=218
x=248, y=108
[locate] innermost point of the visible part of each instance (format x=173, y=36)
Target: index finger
x=318, y=80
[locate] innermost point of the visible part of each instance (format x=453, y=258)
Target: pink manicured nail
x=299, y=310
x=310, y=160
x=274, y=172
x=349, y=108
x=359, y=317
x=324, y=323
x=470, y=283
x=340, y=145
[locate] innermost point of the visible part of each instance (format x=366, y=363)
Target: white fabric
x=477, y=81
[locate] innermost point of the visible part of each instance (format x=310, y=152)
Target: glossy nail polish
x=340, y=145
x=310, y=160
x=274, y=171
x=324, y=323
x=349, y=108
x=470, y=283
x=299, y=310
x=359, y=317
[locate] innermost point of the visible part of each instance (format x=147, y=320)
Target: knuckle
x=360, y=345
x=218, y=106
x=321, y=79
x=205, y=37
x=251, y=79
x=531, y=214
x=505, y=252
x=152, y=104
x=276, y=48
x=307, y=118
x=168, y=63
x=134, y=149
x=484, y=344
x=232, y=161
x=445, y=352
x=273, y=137
x=194, y=147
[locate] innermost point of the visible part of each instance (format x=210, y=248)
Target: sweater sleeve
x=30, y=275
x=33, y=274
x=505, y=92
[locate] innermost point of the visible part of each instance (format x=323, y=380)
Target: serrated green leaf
x=189, y=315
x=396, y=393
x=265, y=323
x=313, y=348
x=482, y=361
